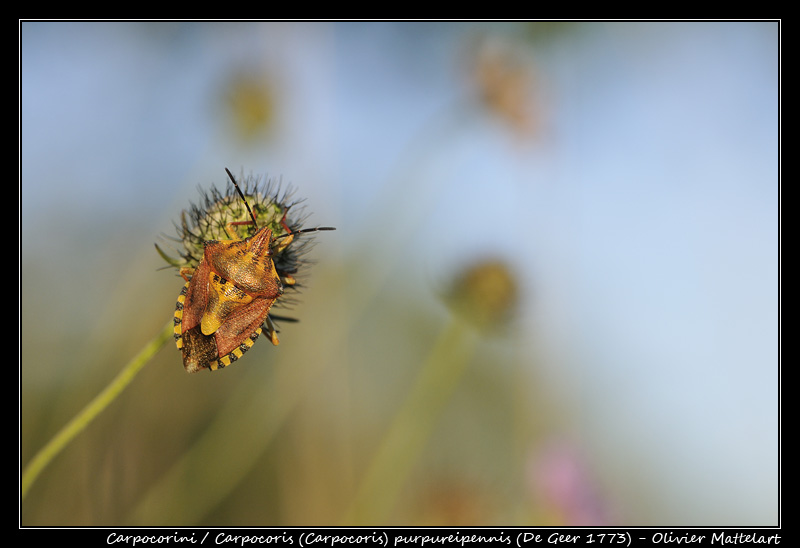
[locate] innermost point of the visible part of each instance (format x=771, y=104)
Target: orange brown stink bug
x=232, y=284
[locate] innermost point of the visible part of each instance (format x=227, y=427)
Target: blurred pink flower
x=559, y=478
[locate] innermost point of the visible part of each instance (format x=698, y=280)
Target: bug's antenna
x=239, y=190
x=315, y=229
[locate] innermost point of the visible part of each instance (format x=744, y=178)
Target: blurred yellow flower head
x=250, y=105
x=485, y=294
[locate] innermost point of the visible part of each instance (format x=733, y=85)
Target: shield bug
x=231, y=287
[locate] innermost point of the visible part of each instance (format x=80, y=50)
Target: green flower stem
x=94, y=408
x=412, y=426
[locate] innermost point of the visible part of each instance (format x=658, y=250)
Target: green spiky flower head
x=210, y=219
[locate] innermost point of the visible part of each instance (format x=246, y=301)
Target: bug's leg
x=230, y=229
x=271, y=330
x=286, y=277
x=186, y=272
x=289, y=238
